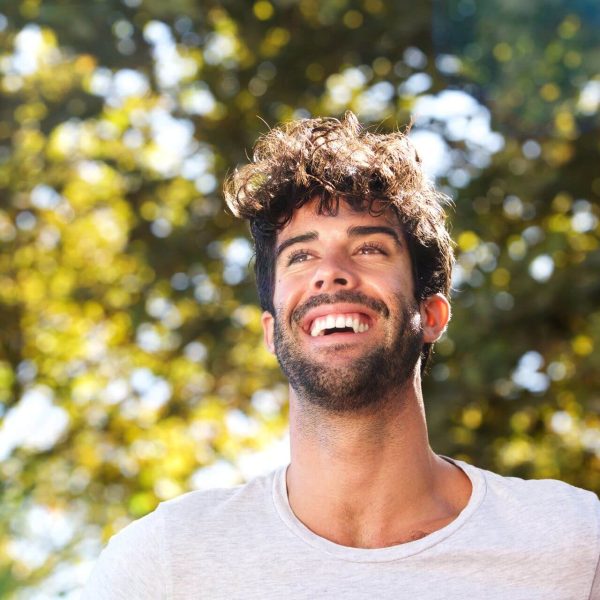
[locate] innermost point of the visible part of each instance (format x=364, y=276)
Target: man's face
x=346, y=328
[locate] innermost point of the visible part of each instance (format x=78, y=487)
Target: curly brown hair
x=331, y=159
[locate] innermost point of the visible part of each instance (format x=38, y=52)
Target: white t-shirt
x=515, y=540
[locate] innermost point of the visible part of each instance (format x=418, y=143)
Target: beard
x=364, y=382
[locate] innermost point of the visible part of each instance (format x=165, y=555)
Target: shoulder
x=201, y=510
x=131, y=564
x=206, y=508
x=544, y=506
x=542, y=493
x=136, y=561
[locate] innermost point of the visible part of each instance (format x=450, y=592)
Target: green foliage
x=519, y=364
x=128, y=315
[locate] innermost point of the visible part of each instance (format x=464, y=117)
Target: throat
x=358, y=536
x=389, y=541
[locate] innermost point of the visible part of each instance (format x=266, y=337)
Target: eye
x=298, y=256
x=371, y=248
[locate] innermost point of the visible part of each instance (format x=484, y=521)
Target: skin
x=364, y=478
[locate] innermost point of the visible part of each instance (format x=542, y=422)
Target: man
x=353, y=265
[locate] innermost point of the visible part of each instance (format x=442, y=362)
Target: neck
x=369, y=478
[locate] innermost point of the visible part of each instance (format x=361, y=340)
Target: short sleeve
x=131, y=567
x=595, y=592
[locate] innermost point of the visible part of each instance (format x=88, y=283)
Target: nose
x=334, y=273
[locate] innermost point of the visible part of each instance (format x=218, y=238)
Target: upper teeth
x=320, y=324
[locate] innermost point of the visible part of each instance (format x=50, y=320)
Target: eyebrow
x=310, y=236
x=356, y=231
x=362, y=230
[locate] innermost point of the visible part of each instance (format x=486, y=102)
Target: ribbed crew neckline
x=390, y=553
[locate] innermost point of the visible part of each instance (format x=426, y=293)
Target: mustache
x=353, y=297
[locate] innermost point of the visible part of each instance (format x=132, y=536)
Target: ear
x=268, y=325
x=435, y=314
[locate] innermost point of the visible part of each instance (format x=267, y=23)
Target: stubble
x=363, y=382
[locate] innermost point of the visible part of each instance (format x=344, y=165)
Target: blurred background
x=131, y=361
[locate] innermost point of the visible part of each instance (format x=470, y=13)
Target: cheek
x=287, y=290
x=393, y=285
x=279, y=291
x=282, y=302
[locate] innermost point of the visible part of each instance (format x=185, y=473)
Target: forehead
x=308, y=218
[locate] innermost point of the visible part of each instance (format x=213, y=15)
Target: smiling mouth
x=339, y=323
